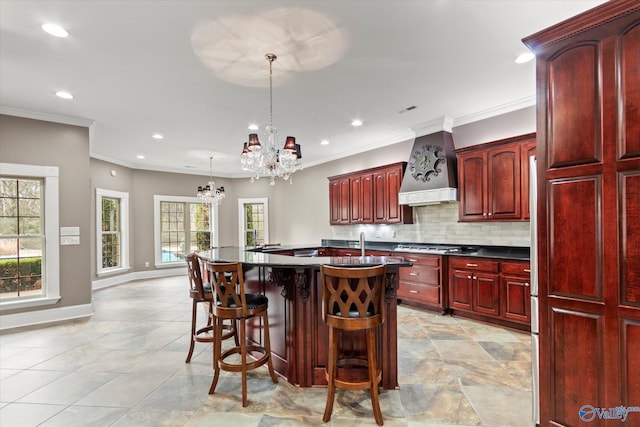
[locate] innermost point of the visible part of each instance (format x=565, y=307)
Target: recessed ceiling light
x=64, y=95
x=140, y=156
x=253, y=127
x=55, y=30
x=356, y=123
x=157, y=136
x=524, y=58
x=324, y=142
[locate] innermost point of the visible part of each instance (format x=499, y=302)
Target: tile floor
x=125, y=367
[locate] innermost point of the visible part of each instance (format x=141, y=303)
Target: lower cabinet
x=421, y=284
x=492, y=290
x=516, y=295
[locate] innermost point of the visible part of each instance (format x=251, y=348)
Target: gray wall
x=142, y=185
x=34, y=142
x=298, y=210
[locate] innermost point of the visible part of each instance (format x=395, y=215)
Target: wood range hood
x=431, y=174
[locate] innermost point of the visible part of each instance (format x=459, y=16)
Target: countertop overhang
x=268, y=259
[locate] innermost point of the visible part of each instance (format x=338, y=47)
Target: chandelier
x=269, y=160
x=210, y=194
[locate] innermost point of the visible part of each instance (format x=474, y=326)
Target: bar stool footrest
x=238, y=367
x=353, y=364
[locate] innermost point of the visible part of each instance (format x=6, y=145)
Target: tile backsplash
x=439, y=224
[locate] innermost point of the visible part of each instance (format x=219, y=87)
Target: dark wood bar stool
x=200, y=292
x=232, y=303
x=353, y=300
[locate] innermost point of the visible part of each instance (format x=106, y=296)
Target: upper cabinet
x=493, y=180
x=371, y=197
x=339, y=201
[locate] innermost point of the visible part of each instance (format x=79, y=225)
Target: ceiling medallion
x=426, y=161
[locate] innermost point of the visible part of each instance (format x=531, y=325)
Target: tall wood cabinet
x=588, y=162
x=493, y=180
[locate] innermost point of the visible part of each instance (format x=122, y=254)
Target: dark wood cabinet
x=492, y=290
x=422, y=284
x=528, y=150
x=386, y=186
x=588, y=213
x=368, y=197
x=474, y=285
x=339, y=201
x=361, y=199
x=515, y=280
x=490, y=180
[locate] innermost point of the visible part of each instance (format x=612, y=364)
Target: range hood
x=431, y=174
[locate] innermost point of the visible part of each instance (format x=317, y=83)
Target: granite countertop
x=264, y=257
x=483, y=251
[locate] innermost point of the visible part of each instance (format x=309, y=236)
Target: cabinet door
x=339, y=201
x=528, y=150
x=343, y=211
x=394, y=209
x=503, y=178
x=460, y=291
x=355, y=202
x=516, y=298
x=486, y=293
x=380, y=198
x=472, y=180
x=362, y=199
x=334, y=202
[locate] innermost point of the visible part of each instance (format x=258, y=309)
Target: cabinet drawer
x=422, y=275
x=431, y=260
x=517, y=268
x=476, y=264
x=417, y=292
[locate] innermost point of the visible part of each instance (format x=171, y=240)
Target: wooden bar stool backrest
x=194, y=268
x=227, y=282
x=353, y=298
x=199, y=292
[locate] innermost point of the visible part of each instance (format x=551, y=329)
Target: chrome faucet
x=362, y=243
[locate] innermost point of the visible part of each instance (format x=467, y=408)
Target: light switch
x=69, y=231
x=69, y=240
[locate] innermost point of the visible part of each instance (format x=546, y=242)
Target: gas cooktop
x=429, y=249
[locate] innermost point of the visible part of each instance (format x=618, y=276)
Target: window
x=112, y=219
x=29, y=253
x=254, y=221
x=182, y=225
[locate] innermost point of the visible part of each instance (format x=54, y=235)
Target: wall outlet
x=146, y=264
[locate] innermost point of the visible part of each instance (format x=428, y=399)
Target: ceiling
x=195, y=72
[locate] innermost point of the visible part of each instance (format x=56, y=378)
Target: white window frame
x=51, y=255
x=157, y=244
x=241, y=218
x=124, y=231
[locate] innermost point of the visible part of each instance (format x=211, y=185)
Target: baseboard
x=136, y=275
x=38, y=317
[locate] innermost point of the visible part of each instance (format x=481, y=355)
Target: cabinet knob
x=469, y=277
x=527, y=270
x=413, y=292
x=526, y=284
x=490, y=213
x=413, y=274
x=471, y=265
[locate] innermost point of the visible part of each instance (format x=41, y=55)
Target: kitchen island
x=299, y=336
